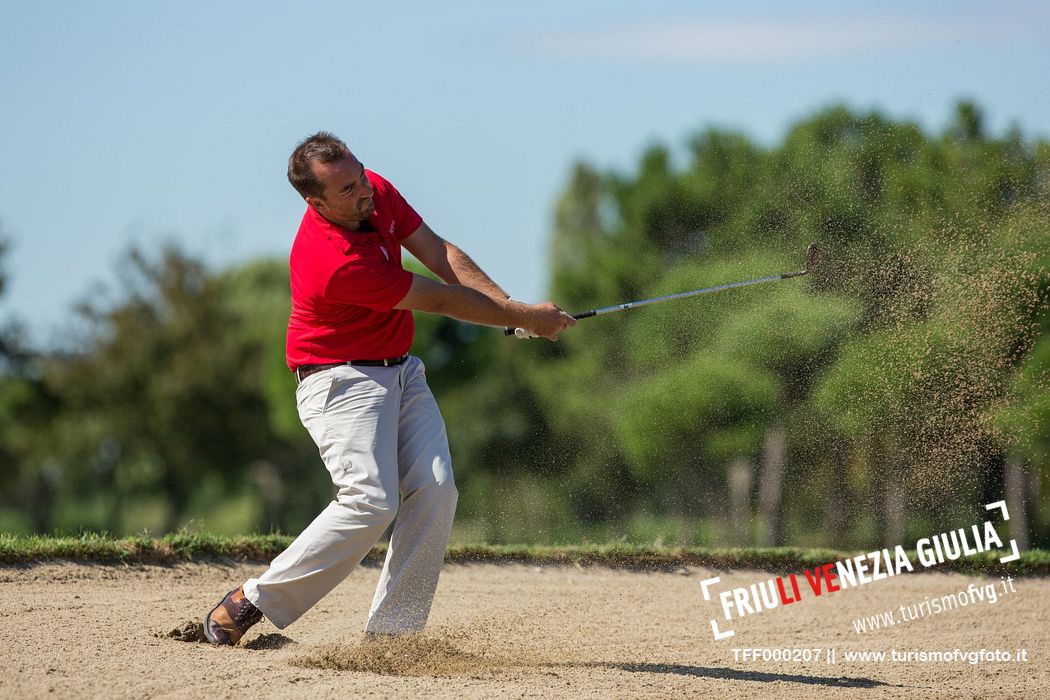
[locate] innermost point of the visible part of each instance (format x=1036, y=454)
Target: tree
x=916, y=324
x=27, y=409
x=162, y=397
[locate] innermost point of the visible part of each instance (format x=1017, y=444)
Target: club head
x=812, y=257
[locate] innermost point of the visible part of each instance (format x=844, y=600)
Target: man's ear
x=316, y=202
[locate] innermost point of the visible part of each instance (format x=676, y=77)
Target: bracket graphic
x=1015, y=554
x=704, y=586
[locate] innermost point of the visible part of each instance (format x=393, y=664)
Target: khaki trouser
x=380, y=435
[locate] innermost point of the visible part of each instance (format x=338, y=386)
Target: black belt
x=304, y=371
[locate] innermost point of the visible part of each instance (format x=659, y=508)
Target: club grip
x=583, y=314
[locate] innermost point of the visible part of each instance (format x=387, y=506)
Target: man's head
x=331, y=180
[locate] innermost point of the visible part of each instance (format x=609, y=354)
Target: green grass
x=188, y=547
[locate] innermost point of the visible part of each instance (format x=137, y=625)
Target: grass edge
x=100, y=548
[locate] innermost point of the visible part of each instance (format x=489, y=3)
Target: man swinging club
x=363, y=399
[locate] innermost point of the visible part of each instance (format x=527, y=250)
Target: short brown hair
x=322, y=147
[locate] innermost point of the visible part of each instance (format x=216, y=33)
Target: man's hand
x=547, y=320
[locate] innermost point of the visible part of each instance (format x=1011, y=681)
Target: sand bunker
x=498, y=631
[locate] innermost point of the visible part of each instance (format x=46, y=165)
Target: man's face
x=347, y=198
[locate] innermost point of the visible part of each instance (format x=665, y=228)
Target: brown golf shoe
x=231, y=618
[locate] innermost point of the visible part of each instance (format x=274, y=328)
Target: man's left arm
x=449, y=262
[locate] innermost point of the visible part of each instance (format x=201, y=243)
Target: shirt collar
x=340, y=234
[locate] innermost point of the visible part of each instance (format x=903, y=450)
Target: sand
x=75, y=630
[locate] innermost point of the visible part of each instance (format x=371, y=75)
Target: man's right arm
x=466, y=304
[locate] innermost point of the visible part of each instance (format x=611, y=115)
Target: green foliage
x=662, y=422
x=1025, y=419
x=789, y=332
x=899, y=351
x=882, y=393
x=171, y=397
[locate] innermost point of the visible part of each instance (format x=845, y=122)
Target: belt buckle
x=386, y=362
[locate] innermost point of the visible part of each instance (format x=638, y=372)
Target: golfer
x=363, y=399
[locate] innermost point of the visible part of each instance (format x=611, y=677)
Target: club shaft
x=811, y=259
x=680, y=295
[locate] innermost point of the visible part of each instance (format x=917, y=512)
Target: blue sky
x=146, y=121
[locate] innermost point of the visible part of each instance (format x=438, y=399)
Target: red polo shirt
x=346, y=283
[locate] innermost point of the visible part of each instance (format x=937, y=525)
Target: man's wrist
x=517, y=312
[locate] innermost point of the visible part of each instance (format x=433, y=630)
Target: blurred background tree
x=888, y=396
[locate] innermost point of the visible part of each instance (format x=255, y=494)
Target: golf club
x=812, y=256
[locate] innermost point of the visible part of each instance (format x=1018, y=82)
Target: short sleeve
x=376, y=285
x=406, y=220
